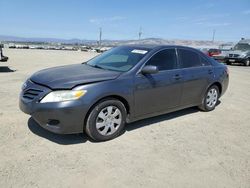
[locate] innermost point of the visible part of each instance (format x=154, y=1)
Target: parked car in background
x=203, y=50
x=221, y=57
x=240, y=53
x=213, y=52
x=122, y=85
x=2, y=57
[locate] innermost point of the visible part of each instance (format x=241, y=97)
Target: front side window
x=164, y=60
x=242, y=46
x=189, y=58
x=119, y=59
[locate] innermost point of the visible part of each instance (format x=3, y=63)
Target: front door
x=158, y=92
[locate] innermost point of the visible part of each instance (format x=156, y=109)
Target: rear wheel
x=247, y=62
x=210, y=99
x=106, y=120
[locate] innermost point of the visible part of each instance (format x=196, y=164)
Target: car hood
x=69, y=76
x=238, y=52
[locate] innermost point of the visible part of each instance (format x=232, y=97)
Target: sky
x=122, y=19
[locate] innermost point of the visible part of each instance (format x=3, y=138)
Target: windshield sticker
x=139, y=51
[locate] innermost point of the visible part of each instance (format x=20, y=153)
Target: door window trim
x=160, y=71
x=200, y=56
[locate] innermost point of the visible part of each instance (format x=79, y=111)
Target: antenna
x=100, y=37
x=140, y=33
x=213, y=35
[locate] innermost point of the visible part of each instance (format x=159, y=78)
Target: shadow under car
x=6, y=69
x=82, y=137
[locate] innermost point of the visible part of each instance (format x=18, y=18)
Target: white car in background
x=2, y=57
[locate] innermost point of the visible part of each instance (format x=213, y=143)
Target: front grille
x=233, y=55
x=31, y=93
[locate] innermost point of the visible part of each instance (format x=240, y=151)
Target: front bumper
x=58, y=117
x=235, y=60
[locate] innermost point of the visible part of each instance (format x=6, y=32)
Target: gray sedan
x=122, y=85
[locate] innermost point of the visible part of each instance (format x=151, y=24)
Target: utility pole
x=140, y=33
x=213, y=35
x=100, y=37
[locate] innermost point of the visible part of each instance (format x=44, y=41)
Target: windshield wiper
x=100, y=67
x=95, y=66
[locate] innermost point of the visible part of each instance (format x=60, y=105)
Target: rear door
x=197, y=73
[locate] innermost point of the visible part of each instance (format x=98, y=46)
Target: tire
x=106, y=120
x=210, y=99
x=247, y=62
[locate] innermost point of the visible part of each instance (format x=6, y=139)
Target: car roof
x=244, y=41
x=154, y=46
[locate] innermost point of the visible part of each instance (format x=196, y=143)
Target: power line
x=100, y=37
x=213, y=35
x=140, y=33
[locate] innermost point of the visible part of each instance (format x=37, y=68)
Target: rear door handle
x=210, y=71
x=177, y=77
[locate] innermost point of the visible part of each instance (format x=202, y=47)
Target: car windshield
x=119, y=59
x=242, y=47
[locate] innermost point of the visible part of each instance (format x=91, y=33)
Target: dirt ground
x=187, y=148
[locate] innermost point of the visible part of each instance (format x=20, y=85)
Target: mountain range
x=156, y=41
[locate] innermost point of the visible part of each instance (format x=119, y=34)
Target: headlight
x=63, y=95
x=243, y=55
x=25, y=84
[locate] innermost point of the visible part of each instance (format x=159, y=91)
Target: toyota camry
x=122, y=85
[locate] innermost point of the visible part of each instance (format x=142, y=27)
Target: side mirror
x=150, y=69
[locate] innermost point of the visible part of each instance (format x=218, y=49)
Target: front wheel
x=210, y=99
x=106, y=120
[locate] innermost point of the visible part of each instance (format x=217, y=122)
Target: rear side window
x=189, y=58
x=164, y=60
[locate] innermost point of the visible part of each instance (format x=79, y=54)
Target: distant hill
x=157, y=41
x=48, y=40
